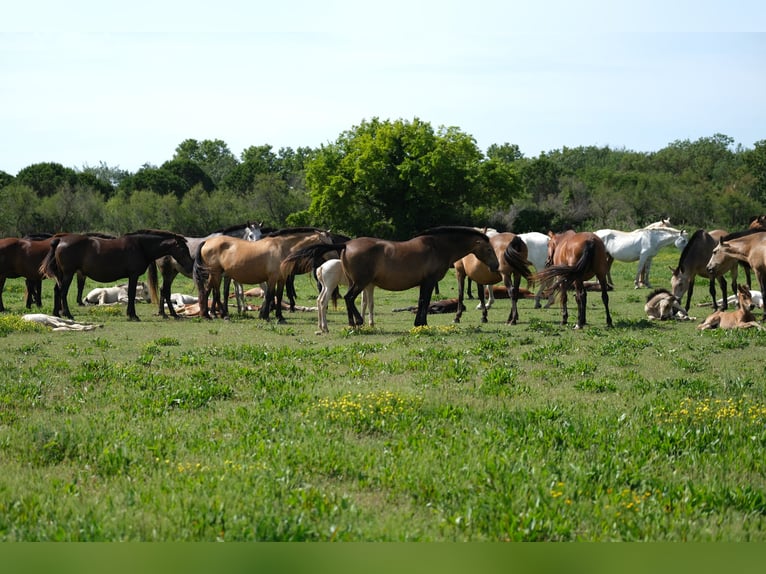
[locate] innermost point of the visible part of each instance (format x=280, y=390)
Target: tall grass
x=245, y=430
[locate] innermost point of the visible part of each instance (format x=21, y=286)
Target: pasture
x=242, y=430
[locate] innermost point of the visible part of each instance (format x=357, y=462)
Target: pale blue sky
x=89, y=81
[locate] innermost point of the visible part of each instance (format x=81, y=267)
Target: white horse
x=116, y=295
x=329, y=275
x=639, y=245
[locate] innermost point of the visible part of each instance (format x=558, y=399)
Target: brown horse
x=745, y=246
x=693, y=262
x=511, y=253
x=21, y=257
x=250, y=262
x=742, y=318
x=575, y=257
x=108, y=259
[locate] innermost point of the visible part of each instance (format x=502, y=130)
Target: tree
x=755, y=160
x=157, y=180
x=5, y=179
x=45, y=179
x=190, y=172
x=393, y=179
x=17, y=210
x=213, y=156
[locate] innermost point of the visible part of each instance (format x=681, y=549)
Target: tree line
x=392, y=179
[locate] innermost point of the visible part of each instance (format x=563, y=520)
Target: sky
x=86, y=82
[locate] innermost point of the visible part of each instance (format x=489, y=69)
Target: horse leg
x=80, y=288
x=581, y=296
x=711, y=289
x=460, y=288
x=268, y=300
x=132, y=283
x=368, y=304
x=63, y=294
x=605, y=299
x=355, y=319
x=482, y=302
x=689, y=294
x=609, y=261
x=426, y=290
x=564, y=287
x=513, y=294
x=468, y=292
x=280, y=292
x=322, y=302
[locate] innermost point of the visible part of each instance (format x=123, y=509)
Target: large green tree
x=393, y=179
x=214, y=156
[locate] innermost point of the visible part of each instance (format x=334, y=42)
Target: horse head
x=485, y=253
x=717, y=258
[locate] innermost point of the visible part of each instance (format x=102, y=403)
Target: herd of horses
x=248, y=254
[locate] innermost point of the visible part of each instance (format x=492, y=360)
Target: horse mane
x=291, y=230
x=658, y=291
x=695, y=237
x=445, y=229
x=744, y=233
x=160, y=232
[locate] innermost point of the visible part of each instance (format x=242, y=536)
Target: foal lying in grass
x=741, y=318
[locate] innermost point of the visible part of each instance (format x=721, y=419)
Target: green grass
x=244, y=430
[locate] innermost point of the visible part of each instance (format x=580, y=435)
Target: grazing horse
x=639, y=245
x=250, y=263
x=169, y=267
x=742, y=318
x=575, y=257
x=106, y=260
x=693, y=262
x=748, y=246
x=511, y=254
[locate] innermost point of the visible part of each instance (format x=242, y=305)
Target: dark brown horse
x=576, y=257
x=107, y=260
x=693, y=262
x=511, y=253
x=250, y=262
x=21, y=257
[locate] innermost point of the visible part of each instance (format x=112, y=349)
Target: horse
x=400, y=265
x=693, y=262
x=169, y=268
x=117, y=294
x=511, y=254
x=662, y=305
x=21, y=257
x=575, y=257
x=250, y=262
x=742, y=318
x=106, y=260
x=748, y=246
x=639, y=245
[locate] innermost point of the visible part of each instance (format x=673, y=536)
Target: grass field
x=197, y=430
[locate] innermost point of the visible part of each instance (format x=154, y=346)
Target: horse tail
x=200, y=271
x=569, y=272
x=519, y=264
x=151, y=278
x=49, y=268
x=308, y=258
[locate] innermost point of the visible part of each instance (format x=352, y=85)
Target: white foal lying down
x=116, y=295
x=57, y=323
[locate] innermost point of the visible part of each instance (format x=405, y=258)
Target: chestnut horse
x=574, y=258
x=511, y=253
x=249, y=263
x=108, y=259
x=745, y=246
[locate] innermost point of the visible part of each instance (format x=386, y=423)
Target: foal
x=741, y=318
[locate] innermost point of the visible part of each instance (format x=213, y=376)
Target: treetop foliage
x=393, y=179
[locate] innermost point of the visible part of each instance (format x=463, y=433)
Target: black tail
x=516, y=260
x=200, y=272
x=569, y=272
x=308, y=258
x=48, y=267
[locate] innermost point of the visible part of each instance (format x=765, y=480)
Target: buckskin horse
x=574, y=258
x=250, y=263
x=107, y=260
x=511, y=253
